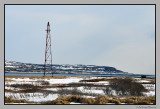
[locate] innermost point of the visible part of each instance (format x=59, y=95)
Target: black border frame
x=81, y=104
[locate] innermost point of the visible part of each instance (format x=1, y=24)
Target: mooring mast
x=48, y=52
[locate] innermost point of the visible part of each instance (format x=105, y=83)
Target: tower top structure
x=48, y=52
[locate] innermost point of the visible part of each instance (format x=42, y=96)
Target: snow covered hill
x=11, y=66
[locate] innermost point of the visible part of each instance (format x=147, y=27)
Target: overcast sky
x=120, y=36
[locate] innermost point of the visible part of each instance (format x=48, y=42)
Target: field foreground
x=78, y=90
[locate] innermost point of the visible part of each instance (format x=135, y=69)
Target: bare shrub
x=108, y=91
x=42, y=82
x=74, y=91
x=125, y=87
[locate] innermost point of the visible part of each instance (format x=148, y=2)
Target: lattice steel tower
x=48, y=52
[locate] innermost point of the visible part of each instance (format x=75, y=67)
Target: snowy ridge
x=12, y=66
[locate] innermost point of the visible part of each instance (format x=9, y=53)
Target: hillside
x=11, y=66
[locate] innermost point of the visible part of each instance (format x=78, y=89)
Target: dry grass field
x=79, y=90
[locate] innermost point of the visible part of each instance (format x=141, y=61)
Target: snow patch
x=35, y=97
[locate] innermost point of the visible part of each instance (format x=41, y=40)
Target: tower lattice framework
x=48, y=52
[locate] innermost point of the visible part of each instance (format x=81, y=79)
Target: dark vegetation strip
x=102, y=100
x=96, y=100
x=115, y=79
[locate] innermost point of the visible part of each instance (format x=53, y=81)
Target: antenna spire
x=48, y=52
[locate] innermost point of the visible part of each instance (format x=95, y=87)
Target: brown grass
x=9, y=90
x=6, y=80
x=36, y=77
x=106, y=79
x=97, y=100
x=11, y=100
x=25, y=86
x=101, y=79
x=74, y=98
x=102, y=100
x=68, y=99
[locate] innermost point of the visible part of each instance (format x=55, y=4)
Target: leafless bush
x=125, y=87
x=108, y=91
x=42, y=82
x=73, y=91
x=64, y=92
